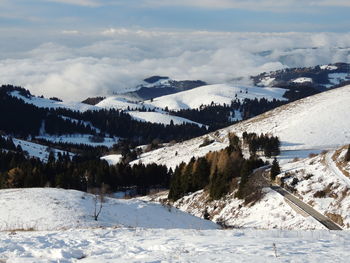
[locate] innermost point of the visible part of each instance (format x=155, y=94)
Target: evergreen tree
x=275, y=169
x=245, y=172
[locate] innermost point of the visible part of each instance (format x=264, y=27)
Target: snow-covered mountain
x=314, y=123
x=217, y=94
x=319, y=77
x=157, y=86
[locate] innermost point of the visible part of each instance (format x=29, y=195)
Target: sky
x=78, y=48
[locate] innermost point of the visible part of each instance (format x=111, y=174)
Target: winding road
x=306, y=208
x=333, y=167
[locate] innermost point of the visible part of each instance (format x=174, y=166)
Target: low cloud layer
x=116, y=60
x=243, y=4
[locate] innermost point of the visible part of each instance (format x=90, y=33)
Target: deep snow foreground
x=57, y=209
x=176, y=245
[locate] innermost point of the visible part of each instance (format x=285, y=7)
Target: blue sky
x=211, y=15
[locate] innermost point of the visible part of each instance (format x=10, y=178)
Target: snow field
x=175, y=245
x=58, y=209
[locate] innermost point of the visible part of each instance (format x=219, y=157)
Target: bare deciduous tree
x=98, y=199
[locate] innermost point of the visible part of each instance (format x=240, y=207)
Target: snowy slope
x=120, y=103
x=175, y=245
x=37, y=150
x=319, y=182
x=112, y=159
x=315, y=180
x=80, y=139
x=311, y=124
x=47, y=103
x=272, y=211
x=158, y=117
x=219, y=94
x=53, y=209
x=302, y=80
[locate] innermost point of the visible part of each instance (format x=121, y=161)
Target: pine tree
x=275, y=169
x=245, y=172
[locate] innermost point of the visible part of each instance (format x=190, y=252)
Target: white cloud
x=89, y=3
x=271, y=5
x=70, y=32
x=341, y=3
x=119, y=59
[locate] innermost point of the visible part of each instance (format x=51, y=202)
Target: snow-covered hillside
x=121, y=103
x=54, y=209
x=302, y=80
x=319, y=182
x=86, y=139
x=322, y=181
x=112, y=159
x=158, y=117
x=113, y=102
x=311, y=124
x=37, y=150
x=219, y=94
x=53, y=104
x=272, y=211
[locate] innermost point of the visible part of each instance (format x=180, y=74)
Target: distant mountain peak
x=155, y=79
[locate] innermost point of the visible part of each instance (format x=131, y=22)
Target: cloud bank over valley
x=74, y=64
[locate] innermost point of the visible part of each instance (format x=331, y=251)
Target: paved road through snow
x=308, y=209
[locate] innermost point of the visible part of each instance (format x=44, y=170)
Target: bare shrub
x=308, y=176
x=312, y=155
x=99, y=194
x=206, y=141
x=320, y=194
